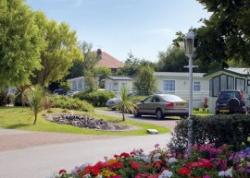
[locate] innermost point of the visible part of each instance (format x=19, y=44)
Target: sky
x=119, y=27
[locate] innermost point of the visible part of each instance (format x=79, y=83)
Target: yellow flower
x=107, y=173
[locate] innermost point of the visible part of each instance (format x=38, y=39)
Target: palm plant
x=35, y=97
x=125, y=105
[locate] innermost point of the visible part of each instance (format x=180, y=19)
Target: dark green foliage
x=219, y=129
x=145, y=81
x=172, y=60
x=225, y=35
x=97, y=98
x=66, y=102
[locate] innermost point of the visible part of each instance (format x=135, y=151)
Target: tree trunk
x=123, y=115
x=34, y=122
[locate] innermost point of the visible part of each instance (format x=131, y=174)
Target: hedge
x=218, y=130
x=65, y=102
x=97, y=98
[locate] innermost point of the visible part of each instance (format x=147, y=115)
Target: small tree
x=145, y=82
x=125, y=105
x=35, y=98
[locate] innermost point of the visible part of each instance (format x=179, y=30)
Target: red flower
x=135, y=165
x=116, y=165
x=184, y=171
x=124, y=155
x=62, y=171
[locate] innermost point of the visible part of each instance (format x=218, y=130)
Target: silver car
x=162, y=105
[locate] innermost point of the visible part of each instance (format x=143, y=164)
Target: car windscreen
x=226, y=95
x=172, y=98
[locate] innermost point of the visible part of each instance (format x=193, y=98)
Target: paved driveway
x=169, y=122
x=40, y=161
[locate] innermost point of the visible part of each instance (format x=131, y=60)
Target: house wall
x=77, y=84
x=116, y=85
x=182, y=88
x=213, y=98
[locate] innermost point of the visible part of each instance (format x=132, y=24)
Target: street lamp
x=189, y=51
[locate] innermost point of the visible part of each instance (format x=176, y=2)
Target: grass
x=22, y=118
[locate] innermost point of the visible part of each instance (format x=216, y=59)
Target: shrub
x=97, y=98
x=219, y=129
x=66, y=102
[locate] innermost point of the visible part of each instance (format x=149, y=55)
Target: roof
x=109, y=61
x=119, y=78
x=242, y=71
x=177, y=74
x=233, y=70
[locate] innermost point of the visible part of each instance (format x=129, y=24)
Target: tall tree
x=172, y=60
x=20, y=43
x=61, y=48
x=132, y=65
x=145, y=82
x=225, y=35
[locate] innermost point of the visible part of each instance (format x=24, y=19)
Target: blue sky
x=143, y=27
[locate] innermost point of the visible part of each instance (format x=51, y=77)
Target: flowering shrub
x=205, y=161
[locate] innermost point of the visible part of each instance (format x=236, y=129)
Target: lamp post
x=189, y=51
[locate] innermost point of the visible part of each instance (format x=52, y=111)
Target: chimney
x=99, y=52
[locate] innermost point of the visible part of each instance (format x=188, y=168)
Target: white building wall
x=116, y=85
x=77, y=84
x=182, y=88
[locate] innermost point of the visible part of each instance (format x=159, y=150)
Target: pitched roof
x=119, y=78
x=109, y=61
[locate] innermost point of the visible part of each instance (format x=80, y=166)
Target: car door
x=155, y=103
x=145, y=106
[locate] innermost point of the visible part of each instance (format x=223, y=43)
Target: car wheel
x=234, y=105
x=184, y=116
x=137, y=113
x=159, y=115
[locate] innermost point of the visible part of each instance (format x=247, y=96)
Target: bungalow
x=228, y=79
x=77, y=84
x=115, y=83
x=177, y=83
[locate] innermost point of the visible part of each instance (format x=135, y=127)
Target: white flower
x=87, y=176
x=171, y=160
x=166, y=174
x=145, y=158
x=156, y=156
x=99, y=176
x=226, y=173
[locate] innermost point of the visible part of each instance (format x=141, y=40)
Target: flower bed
x=205, y=161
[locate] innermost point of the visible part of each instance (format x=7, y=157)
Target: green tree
x=172, y=60
x=225, y=35
x=126, y=105
x=20, y=43
x=61, y=48
x=35, y=98
x=145, y=82
x=90, y=59
x=132, y=65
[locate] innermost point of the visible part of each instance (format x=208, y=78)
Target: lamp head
x=189, y=43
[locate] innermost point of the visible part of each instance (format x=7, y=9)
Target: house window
x=197, y=86
x=216, y=86
x=240, y=84
x=230, y=83
x=80, y=86
x=115, y=86
x=223, y=82
x=74, y=85
x=169, y=85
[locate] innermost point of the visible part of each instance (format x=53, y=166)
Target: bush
x=219, y=129
x=97, y=98
x=66, y=102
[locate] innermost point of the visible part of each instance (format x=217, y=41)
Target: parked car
x=60, y=91
x=162, y=105
x=72, y=93
x=230, y=101
x=111, y=103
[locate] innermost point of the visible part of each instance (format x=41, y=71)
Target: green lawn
x=22, y=118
